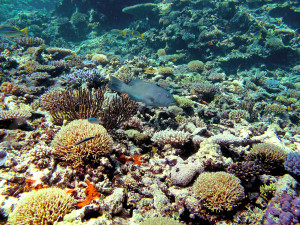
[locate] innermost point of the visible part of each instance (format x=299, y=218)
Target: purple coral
x=292, y=163
x=283, y=210
x=80, y=76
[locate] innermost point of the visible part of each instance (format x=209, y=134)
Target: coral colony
x=149, y=112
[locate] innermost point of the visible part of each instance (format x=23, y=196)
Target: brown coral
x=60, y=53
x=10, y=88
x=91, y=150
x=195, y=66
x=219, y=191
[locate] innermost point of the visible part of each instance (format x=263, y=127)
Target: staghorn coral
x=172, y=137
x=14, y=114
x=78, y=104
x=239, y=114
x=269, y=151
x=42, y=207
x=195, y=66
x=219, y=191
x=77, y=130
x=118, y=110
x=9, y=88
x=245, y=170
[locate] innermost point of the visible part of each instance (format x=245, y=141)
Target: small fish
x=118, y=32
x=142, y=91
x=93, y=120
x=84, y=140
x=154, y=149
x=127, y=33
x=3, y=157
x=11, y=31
x=174, y=60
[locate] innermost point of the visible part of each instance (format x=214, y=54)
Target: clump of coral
x=42, y=207
x=65, y=141
x=195, y=66
x=219, y=191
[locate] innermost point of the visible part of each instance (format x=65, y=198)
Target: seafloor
x=227, y=153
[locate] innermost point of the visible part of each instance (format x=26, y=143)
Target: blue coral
x=283, y=210
x=292, y=163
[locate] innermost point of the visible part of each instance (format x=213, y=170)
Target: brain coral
x=42, y=207
x=77, y=130
x=219, y=191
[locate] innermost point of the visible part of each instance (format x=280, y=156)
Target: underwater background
x=149, y=112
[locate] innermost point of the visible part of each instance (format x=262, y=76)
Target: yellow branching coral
x=42, y=207
x=65, y=141
x=219, y=191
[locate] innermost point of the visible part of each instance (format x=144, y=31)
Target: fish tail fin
x=25, y=31
x=116, y=84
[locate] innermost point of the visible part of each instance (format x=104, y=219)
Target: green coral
x=267, y=191
x=183, y=102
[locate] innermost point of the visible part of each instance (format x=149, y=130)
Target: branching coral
x=77, y=130
x=292, y=163
x=219, y=191
x=118, y=110
x=239, y=114
x=172, y=137
x=9, y=88
x=42, y=207
x=77, y=104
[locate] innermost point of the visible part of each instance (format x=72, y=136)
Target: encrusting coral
x=219, y=191
x=42, y=207
x=91, y=150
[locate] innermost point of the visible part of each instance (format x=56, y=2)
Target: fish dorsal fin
x=135, y=82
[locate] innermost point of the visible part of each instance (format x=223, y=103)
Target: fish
x=8, y=31
x=93, y=120
x=142, y=91
x=3, y=157
x=127, y=33
x=84, y=140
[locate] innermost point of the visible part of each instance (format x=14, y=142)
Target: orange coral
x=29, y=185
x=91, y=193
x=9, y=88
x=137, y=159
